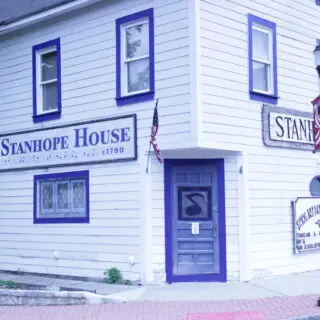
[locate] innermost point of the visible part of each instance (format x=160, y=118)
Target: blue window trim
x=56, y=114
x=258, y=96
x=318, y=2
x=134, y=98
x=55, y=176
x=168, y=167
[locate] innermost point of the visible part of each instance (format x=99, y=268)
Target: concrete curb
x=9, y=297
x=129, y=295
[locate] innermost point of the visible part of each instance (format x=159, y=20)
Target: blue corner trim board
x=56, y=114
x=257, y=96
x=56, y=176
x=134, y=98
x=168, y=166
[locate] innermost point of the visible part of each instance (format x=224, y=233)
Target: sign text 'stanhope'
x=287, y=128
x=290, y=128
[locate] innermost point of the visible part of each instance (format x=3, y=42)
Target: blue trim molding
x=258, y=96
x=58, y=176
x=56, y=114
x=134, y=98
x=219, y=164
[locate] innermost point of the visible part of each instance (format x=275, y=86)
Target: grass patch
x=8, y=284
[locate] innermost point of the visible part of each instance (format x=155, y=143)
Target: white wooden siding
x=88, y=55
x=88, y=67
x=84, y=249
x=229, y=117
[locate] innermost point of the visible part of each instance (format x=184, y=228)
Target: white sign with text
x=103, y=140
x=306, y=224
x=290, y=128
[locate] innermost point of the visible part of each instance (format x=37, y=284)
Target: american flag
x=154, y=131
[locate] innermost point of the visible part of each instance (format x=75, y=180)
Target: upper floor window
x=262, y=60
x=46, y=81
x=135, y=57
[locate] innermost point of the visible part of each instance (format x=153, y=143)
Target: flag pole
x=148, y=157
x=147, y=168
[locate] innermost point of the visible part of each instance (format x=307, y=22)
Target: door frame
x=222, y=276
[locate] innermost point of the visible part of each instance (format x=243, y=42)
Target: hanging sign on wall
x=103, y=140
x=306, y=215
x=287, y=128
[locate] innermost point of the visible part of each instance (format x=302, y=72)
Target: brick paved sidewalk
x=274, y=308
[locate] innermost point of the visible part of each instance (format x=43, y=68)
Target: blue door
x=197, y=221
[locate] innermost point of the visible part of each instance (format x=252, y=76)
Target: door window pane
x=260, y=44
x=137, y=40
x=260, y=76
x=138, y=75
x=194, y=203
x=49, y=66
x=50, y=96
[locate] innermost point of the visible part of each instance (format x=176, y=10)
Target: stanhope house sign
x=103, y=140
x=287, y=128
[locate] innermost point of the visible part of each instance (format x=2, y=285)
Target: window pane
x=138, y=75
x=63, y=195
x=50, y=96
x=46, y=194
x=260, y=76
x=62, y=198
x=49, y=66
x=137, y=40
x=78, y=194
x=260, y=45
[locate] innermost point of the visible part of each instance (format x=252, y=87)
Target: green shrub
x=114, y=275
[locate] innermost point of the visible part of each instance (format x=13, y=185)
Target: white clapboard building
x=235, y=196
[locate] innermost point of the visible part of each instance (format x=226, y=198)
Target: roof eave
x=44, y=15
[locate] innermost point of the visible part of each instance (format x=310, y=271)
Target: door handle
x=215, y=231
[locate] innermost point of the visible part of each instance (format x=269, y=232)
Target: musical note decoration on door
x=195, y=209
x=194, y=203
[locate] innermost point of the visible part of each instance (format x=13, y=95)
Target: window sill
x=61, y=220
x=263, y=97
x=47, y=116
x=140, y=97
